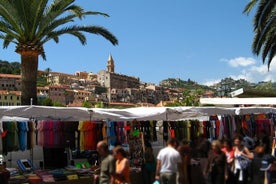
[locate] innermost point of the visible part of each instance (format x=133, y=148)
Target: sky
x=204, y=41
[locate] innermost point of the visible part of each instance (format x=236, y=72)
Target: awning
x=239, y=101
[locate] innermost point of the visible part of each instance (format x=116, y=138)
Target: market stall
x=55, y=128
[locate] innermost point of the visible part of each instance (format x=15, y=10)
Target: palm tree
x=29, y=24
x=264, y=41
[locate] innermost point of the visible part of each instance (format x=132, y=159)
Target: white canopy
x=138, y=113
x=238, y=101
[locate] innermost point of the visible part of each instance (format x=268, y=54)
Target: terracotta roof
x=10, y=75
x=2, y=92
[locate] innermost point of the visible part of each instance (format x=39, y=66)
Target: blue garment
x=22, y=134
x=111, y=134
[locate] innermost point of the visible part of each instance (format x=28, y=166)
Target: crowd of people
x=115, y=167
x=240, y=160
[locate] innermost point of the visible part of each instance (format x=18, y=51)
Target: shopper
x=215, y=169
x=169, y=163
x=122, y=175
x=261, y=166
x=227, y=148
x=107, y=164
x=257, y=175
x=241, y=151
x=149, y=164
x=185, y=152
x=202, y=149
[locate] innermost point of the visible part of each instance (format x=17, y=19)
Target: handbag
x=244, y=162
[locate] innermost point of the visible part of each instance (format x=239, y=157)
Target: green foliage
x=58, y=104
x=264, y=28
x=174, y=104
x=10, y=67
x=99, y=104
x=41, y=81
x=191, y=97
x=87, y=104
x=251, y=93
x=267, y=86
x=178, y=83
x=45, y=102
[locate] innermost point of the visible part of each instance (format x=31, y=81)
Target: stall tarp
x=45, y=112
x=81, y=113
x=239, y=101
x=138, y=113
x=145, y=113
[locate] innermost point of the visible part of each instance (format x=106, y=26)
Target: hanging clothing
x=22, y=133
x=111, y=134
x=31, y=136
x=2, y=134
x=81, y=130
x=12, y=136
x=69, y=133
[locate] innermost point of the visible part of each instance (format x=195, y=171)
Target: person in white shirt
x=169, y=163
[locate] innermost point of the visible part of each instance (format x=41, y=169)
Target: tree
x=264, y=41
x=191, y=97
x=87, y=104
x=29, y=24
x=45, y=102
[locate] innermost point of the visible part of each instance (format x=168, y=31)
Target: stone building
x=111, y=80
x=58, y=93
x=10, y=82
x=10, y=98
x=57, y=78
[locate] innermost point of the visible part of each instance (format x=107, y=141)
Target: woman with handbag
x=242, y=160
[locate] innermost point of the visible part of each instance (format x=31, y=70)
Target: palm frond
x=32, y=23
x=89, y=29
x=264, y=26
x=271, y=54
x=7, y=40
x=98, y=30
x=263, y=12
x=45, y=29
x=9, y=13
x=250, y=6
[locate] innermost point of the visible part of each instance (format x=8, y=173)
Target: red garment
x=217, y=128
x=4, y=134
x=244, y=124
x=51, y=134
x=229, y=155
x=90, y=130
x=172, y=133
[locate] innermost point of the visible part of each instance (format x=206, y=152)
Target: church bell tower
x=110, y=64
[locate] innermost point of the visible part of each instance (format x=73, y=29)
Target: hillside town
x=104, y=88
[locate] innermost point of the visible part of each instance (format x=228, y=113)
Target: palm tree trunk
x=29, y=67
